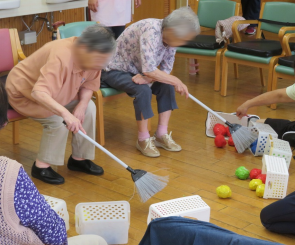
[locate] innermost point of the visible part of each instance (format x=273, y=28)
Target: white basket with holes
x=278, y=148
x=109, y=220
x=60, y=207
x=230, y=117
x=263, y=131
x=191, y=206
x=277, y=176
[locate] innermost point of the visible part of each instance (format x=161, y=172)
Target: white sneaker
x=167, y=143
x=147, y=147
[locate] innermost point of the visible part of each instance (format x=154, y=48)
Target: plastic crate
x=60, y=207
x=263, y=131
x=192, y=206
x=231, y=117
x=278, y=148
x=110, y=220
x=277, y=176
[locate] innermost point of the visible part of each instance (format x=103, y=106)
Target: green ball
x=242, y=172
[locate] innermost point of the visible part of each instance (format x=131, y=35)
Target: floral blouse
x=140, y=49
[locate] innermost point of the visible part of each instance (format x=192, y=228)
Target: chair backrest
x=209, y=11
x=7, y=50
x=277, y=11
x=74, y=29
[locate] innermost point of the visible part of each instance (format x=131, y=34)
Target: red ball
x=254, y=173
x=228, y=132
x=219, y=129
x=230, y=141
x=262, y=177
x=220, y=141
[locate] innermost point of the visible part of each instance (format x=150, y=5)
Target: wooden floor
x=198, y=169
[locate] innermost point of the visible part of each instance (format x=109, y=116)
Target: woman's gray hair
x=183, y=21
x=98, y=38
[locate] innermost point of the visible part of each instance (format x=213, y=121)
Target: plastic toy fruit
x=230, y=141
x=254, y=183
x=223, y=191
x=262, y=177
x=260, y=190
x=254, y=172
x=242, y=172
x=228, y=134
x=220, y=141
x=219, y=129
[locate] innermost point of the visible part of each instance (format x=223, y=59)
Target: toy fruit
x=262, y=177
x=220, y=141
x=230, y=141
x=260, y=190
x=219, y=129
x=242, y=172
x=228, y=134
x=254, y=183
x=223, y=191
x=254, y=172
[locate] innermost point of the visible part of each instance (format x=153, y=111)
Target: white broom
x=147, y=184
x=242, y=136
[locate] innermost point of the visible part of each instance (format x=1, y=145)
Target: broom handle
x=103, y=149
x=207, y=108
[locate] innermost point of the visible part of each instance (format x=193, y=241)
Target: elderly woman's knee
x=143, y=91
x=91, y=108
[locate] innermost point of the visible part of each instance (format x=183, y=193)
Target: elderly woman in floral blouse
x=141, y=48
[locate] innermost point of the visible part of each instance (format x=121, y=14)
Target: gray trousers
x=165, y=93
x=55, y=134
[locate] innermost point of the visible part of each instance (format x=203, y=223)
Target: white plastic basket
x=277, y=176
x=231, y=117
x=263, y=131
x=110, y=220
x=60, y=207
x=191, y=206
x=278, y=148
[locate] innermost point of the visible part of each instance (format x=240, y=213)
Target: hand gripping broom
x=147, y=184
x=242, y=136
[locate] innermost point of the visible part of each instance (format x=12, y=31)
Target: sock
x=161, y=130
x=143, y=135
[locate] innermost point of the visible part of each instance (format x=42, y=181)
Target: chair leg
x=262, y=77
x=99, y=118
x=269, y=80
x=236, y=69
x=274, y=87
x=217, y=71
x=149, y=124
x=224, y=75
x=196, y=62
x=15, y=132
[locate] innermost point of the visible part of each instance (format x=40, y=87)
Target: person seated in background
x=25, y=217
x=55, y=84
x=284, y=128
x=141, y=48
x=251, y=11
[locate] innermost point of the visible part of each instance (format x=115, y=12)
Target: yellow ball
x=260, y=190
x=254, y=183
x=223, y=191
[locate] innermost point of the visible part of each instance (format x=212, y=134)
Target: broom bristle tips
x=150, y=184
x=243, y=138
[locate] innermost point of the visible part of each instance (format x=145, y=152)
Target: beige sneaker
x=147, y=147
x=167, y=143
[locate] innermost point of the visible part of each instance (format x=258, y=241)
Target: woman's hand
x=93, y=5
x=242, y=110
x=73, y=123
x=139, y=79
x=181, y=88
x=79, y=112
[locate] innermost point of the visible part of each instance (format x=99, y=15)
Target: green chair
x=204, y=46
x=260, y=53
x=102, y=95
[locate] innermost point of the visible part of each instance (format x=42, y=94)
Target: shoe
x=147, y=147
x=250, y=30
x=85, y=166
x=167, y=143
x=47, y=175
x=290, y=137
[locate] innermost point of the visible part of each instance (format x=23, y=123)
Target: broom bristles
x=150, y=184
x=243, y=138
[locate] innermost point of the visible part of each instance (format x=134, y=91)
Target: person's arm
x=276, y=96
x=137, y=3
x=84, y=98
x=93, y=5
